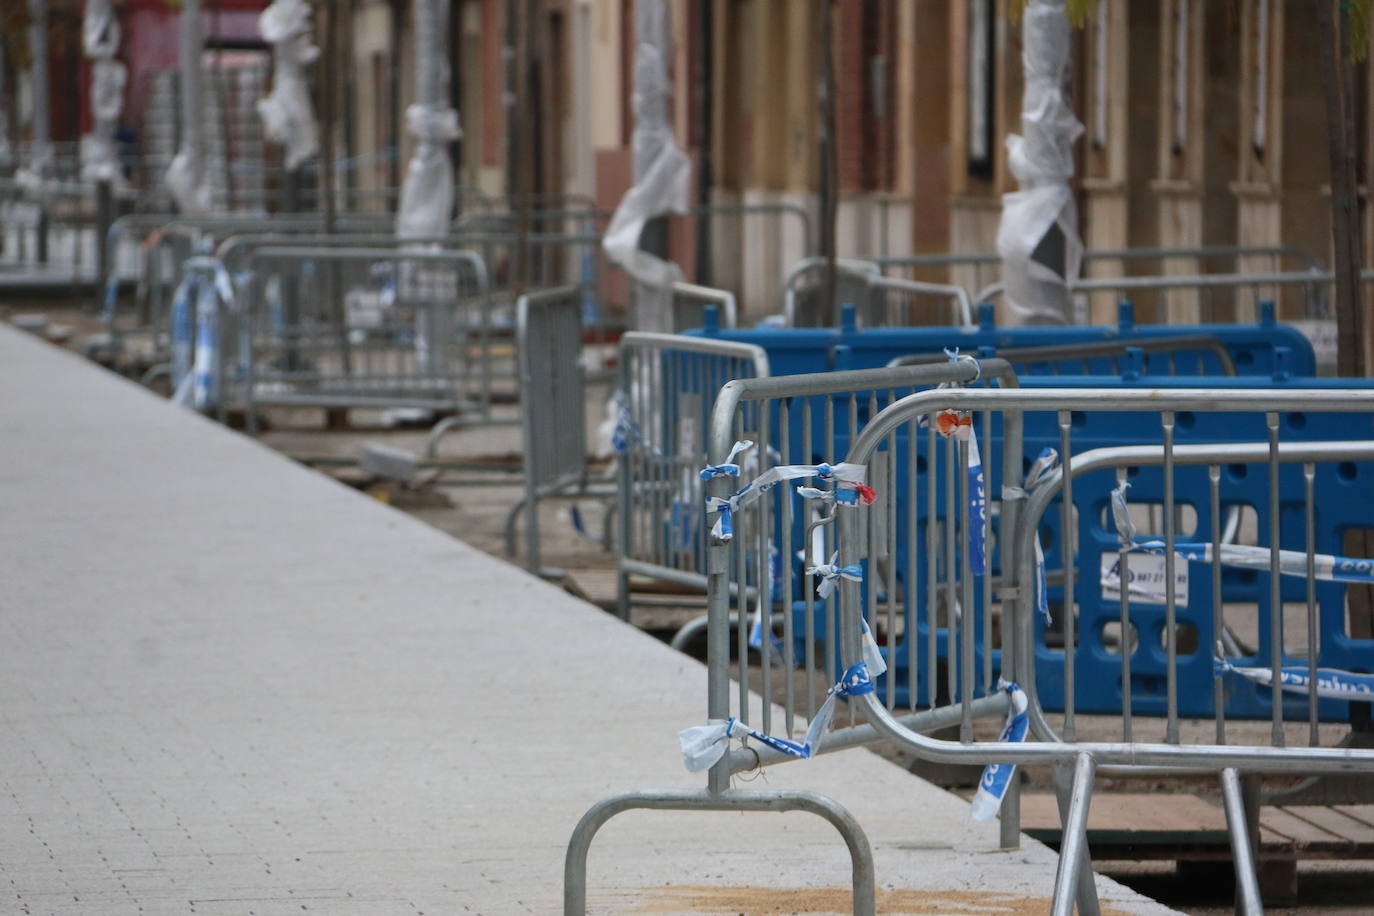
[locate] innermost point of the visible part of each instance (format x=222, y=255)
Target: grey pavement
x=231, y=685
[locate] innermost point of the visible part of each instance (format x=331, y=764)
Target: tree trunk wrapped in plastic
x=1038, y=237
x=287, y=116
x=427, y=193
x=40, y=163
x=662, y=171
x=186, y=177
x=100, y=41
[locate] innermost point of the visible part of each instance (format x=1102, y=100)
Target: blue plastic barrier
x=792, y=351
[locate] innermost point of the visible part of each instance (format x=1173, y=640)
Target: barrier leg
x=441, y=429
x=1074, y=878
x=575, y=864
x=1248, y=900
x=512, y=522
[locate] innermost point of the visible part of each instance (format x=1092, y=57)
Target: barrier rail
x=369, y=327
x=1261, y=285
x=691, y=303
x=1107, y=357
x=976, y=271
x=1021, y=590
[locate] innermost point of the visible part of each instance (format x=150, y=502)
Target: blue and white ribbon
x=996, y=779
x=831, y=573
x=1121, y=516
x=703, y=746
x=728, y=468
x=1332, y=684
x=843, y=496
x=977, y=508
x=1328, y=568
x=724, y=528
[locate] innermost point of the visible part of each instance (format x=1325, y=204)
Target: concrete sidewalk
x=231, y=685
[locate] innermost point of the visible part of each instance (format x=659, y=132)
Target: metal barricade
x=368, y=327
x=668, y=384
x=794, y=420
x=552, y=415
x=1076, y=759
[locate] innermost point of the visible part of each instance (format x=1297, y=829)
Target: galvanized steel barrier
x=668, y=384
x=796, y=419
x=369, y=327
x=553, y=401
x=1077, y=760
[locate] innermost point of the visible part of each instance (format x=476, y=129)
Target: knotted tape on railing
x=831, y=573
x=723, y=529
x=728, y=468
x=703, y=746
x=773, y=589
x=996, y=779
x=1332, y=683
x=853, y=497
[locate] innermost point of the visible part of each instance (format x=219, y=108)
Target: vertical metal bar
x=741, y=601
x=1166, y=420
x=764, y=569
x=1247, y=884
x=910, y=589
x=891, y=554
x=1066, y=552
x=951, y=596
x=785, y=562
x=985, y=445
x=809, y=649
x=1124, y=576
x=1275, y=595
x=1075, y=866
x=968, y=612
x=829, y=603
x=1218, y=617
x=932, y=562
x=1309, y=474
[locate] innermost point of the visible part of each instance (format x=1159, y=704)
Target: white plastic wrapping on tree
x=186, y=177
x=427, y=192
x=1041, y=158
x=100, y=41
x=40, y=162
x=662, y=171
x=287, y=116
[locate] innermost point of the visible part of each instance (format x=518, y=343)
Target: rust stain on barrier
x=815, y=901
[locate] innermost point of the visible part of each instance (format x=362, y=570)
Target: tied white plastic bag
x=703, y=746
x=996, y=779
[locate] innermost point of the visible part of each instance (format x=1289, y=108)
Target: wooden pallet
x=1187, y=828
